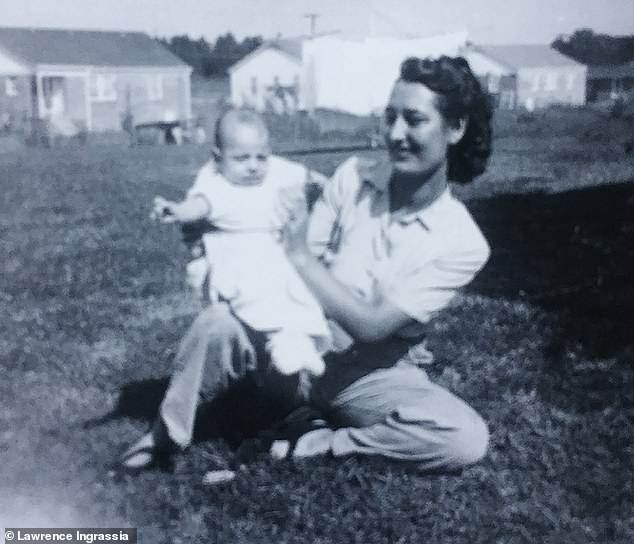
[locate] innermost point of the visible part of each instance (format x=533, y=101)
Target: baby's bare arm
x=189, y=210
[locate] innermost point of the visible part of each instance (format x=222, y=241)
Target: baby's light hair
x=241, y=116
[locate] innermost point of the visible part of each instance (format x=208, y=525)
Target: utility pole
x=313, y=21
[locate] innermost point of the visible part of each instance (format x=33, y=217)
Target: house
x=610, y=81
x=268, y=78
x=91, y=79
x=529, y=76
x=349, y=74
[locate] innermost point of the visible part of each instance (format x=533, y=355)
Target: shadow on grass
x=569, y=253
x=240, y=413
x=572, y=254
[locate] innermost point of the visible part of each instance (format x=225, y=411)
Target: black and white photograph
x=437, y=198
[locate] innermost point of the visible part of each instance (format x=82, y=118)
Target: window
x=493, y=83
x=54, y=95
x=103, y=88
x=507, y=100
x=571, y=81
x=551, y=81
x=11, y=86
x=254, y=85
x=154, y=87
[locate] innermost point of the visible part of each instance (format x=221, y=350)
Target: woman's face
x=416, y=134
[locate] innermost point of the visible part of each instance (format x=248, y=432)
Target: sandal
x=140, y=456
x=146, y=454
x=302, y=434
x=138, y=460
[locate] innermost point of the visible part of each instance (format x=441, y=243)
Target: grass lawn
x=92, y=307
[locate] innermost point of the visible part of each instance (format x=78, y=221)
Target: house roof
x=611, y=71
x=526, y=56
x=85, y=47
x=290, y=48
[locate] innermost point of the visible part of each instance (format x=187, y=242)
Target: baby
x=240, y=194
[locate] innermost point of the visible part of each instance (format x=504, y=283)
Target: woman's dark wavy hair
x=460, y=96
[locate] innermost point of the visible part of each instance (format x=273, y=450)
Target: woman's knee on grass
x=453, y=442
x=468, y=443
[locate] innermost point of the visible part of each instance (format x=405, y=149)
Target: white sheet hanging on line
x=356, y=76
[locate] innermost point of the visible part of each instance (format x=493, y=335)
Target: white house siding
x=76, y=100
x=487, y=69
x=543, y=86
x=11, y=67
x=15, y=90
x=495, y=77
x=251, y=81
x=19, y=106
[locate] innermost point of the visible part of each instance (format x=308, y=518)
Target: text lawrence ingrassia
x=78, y=535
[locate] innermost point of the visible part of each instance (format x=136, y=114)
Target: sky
x=486, y=21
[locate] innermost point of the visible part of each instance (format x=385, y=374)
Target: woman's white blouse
x=417, y=262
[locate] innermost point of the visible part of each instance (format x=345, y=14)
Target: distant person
x=239, y=193
x=385, y=248
x=200, y=135
x=6, y=123
x=128, y=126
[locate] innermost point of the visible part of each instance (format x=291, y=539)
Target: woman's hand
x=294, y=235
x=293, y=215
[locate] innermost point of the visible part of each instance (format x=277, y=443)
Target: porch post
x=39, y=95
x=188, y=95
x=87, y=101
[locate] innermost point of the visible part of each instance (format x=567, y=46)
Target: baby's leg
x=293, y=351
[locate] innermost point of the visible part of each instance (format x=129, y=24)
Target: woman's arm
x=365, y=321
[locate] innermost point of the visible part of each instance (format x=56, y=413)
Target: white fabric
x=289, y=345
x=418, y=262
x=238, y=208
x=356, y=76
x=249, y=267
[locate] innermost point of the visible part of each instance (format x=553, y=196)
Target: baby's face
x=243, y=159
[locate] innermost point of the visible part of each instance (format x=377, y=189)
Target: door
x=53, y=96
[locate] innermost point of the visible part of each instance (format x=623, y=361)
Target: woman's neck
x=414, y=192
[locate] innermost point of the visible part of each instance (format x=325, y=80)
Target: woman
x=385, y=248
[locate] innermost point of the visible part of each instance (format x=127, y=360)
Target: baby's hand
x=317, y=178
x=163, y=210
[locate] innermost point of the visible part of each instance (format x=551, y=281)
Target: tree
x=227, y=51
x=211, y=61
x=192, y=52
x=589, y=48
